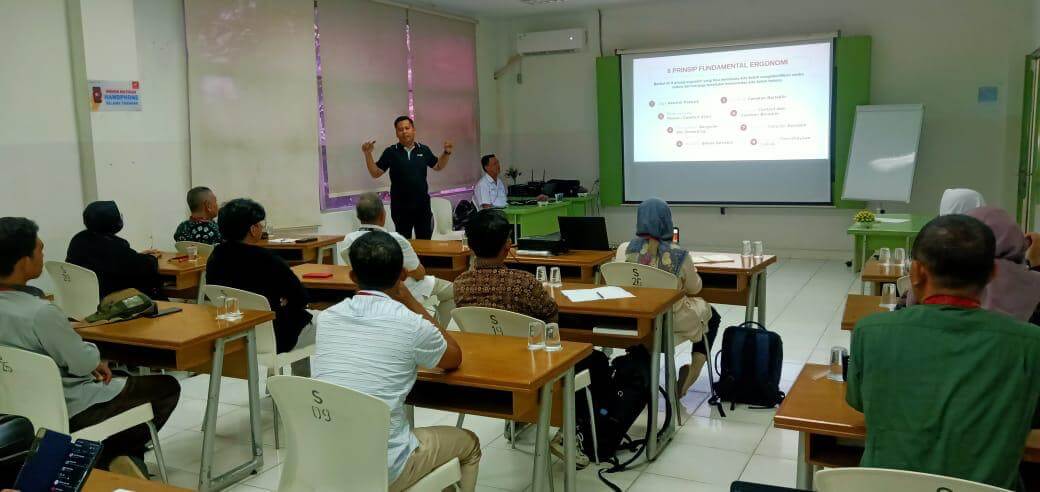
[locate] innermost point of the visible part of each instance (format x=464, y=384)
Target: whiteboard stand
x=883, y=153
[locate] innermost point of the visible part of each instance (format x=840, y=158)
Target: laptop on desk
x=584, y=233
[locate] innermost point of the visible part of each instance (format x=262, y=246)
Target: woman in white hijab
x=959, y=201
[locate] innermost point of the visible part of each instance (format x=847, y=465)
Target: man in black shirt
x=407, y=161
x=240, y=264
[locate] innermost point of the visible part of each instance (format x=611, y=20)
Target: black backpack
x=620, y=392
x=460, y=217
x=752, y=357
x=16, y=437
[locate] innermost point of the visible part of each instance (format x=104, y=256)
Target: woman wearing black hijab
x=110, y=257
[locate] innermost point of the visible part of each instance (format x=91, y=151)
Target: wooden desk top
x=167, y=267
x=195, y=324
x=736, y=266
x=577, y=257
x=340, y=279
x=320, y=243
x=816, y=405
x=648, y=303
x=103, y=481
x=504, y=363
x=432, y=247
x=858, y=307
x=874, y=271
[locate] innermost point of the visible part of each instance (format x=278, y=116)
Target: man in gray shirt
x=92, y=394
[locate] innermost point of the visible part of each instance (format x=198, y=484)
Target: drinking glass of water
x=535, y=335
x=552, y=337
x=889, y=299
x=465, y=243
x=555, y=278
x=745, y=250
x=193, y=253
x=758, y=250
x=231, y=309
x=885, y=256
x=222, y=308
x=899, y=257
x=539, y=273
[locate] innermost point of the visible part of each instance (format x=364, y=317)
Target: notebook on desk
x=699, y=259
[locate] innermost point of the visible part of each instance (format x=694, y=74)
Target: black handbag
x=16, y=438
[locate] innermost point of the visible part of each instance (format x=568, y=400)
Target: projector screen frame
x=830, y=37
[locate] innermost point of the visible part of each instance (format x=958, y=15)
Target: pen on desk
x=600, y=295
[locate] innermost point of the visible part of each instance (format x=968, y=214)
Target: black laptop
x=584, y=233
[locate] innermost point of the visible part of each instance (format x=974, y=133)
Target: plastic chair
x=203, y=248
x=902, y=285
x=492, y=321
x=442, y=220
x=872, y=479
x=30, y=385
x=337, y=436
x=76, y=289
x=266, y=348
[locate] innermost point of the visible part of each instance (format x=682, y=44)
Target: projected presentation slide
x=756, y=104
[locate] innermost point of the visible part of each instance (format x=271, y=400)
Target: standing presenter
x=407, y=161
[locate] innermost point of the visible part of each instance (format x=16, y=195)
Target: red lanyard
x=956, y=301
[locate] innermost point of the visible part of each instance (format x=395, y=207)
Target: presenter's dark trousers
x=412, y=216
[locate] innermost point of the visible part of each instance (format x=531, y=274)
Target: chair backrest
x=30, y=386
x=442, y=219
x=76, y=289
x=335, y=436
x=624, y=274
x=492, y=321
x=265, y=341
x=203, y=248
x=872, y=479
x=903, y=285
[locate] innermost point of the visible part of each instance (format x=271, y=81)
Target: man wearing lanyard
x=407, y=161
x=490, y=192
x=947, y=387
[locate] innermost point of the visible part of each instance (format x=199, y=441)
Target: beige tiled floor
x=805, y=300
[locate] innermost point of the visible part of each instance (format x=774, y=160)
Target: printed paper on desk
x=597, y=294
x=710, y=259
x=420, y=289
x=282, y=240
x=885, y=220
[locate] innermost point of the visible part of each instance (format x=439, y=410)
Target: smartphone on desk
x=164, y=312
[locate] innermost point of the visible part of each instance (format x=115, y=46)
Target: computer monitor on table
x=584, y=233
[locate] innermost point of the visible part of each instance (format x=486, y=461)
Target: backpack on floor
x=16, y=437
x=460, y=217
x=752, y=357
x=620, y=392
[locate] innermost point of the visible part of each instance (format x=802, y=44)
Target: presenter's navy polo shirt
x=407, y=173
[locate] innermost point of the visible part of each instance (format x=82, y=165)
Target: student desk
x=575, y=266
x=866, y=239
x=740, y=281
x=445, y=259
x=179, y=277
x=103, y=481
x=326, y=291
x=858, y=307
x=816, y=408
x=644, y=319
x=309, y=252
x=877, y=275
x=536, y=220
x=499, y=377
x=189, y=341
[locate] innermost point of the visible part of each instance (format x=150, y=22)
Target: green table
x=579, y=205
x=535, y=220
x=884, y=235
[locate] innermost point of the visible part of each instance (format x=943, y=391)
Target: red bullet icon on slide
x=660, y=116
x=652, y=104
x=743, y=128
x=670, y=129
x=733, y=113
x=724, y=100
x=679, y=143
x=754, y=141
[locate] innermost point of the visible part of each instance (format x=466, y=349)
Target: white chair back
x=623, y=274
x=203, y=248
x=265, y=341
x=337, y=437
x=30, y=386
x=76, y=289
x=475, y=319
x=442, y=217
x=903, y=285
x=873, y=479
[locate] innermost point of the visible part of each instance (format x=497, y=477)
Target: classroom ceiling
x=513, y=8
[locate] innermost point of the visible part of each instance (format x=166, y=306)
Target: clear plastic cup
x=745, y=249
x=552, y=338
x=465, y=243
x=221, y=308
x=899, y=257
x=231, y=308
x=193, y=253
x=543, y=278
x=555, y=277
x=535, y=335
x=759, y=250
x=885, y=256
x=889, y=298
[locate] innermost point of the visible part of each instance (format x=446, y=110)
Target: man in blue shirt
x=407, y=161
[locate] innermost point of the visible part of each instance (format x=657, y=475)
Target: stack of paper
x=597, y=294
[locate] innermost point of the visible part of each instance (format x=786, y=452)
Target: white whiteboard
x=883, y=153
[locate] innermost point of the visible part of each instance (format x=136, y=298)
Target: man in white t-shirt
x=435, y=294
x=374, y=342
x=490, y=191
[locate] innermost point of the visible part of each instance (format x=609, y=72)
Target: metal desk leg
x=541, y=440
x=752, y=300
x=570, y=441
x=206, y=480
x=670, y=382
x=804, y=477
x=760, y=297
x=655, y=380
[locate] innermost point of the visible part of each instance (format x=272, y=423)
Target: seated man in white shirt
x=374, y=342
x=490, y=192
x=435, y=294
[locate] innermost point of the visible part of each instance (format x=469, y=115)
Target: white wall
x=937, y=52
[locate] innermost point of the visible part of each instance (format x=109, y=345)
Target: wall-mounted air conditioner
x=546, y=42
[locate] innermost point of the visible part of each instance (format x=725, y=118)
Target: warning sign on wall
x=115, y=95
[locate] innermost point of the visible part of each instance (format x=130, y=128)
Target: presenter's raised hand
x=448, y=147
x=368, y=146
